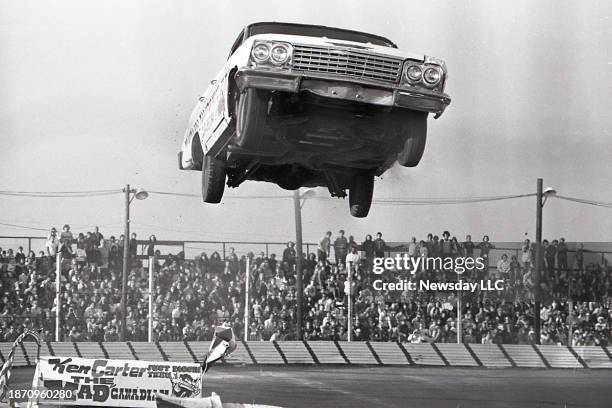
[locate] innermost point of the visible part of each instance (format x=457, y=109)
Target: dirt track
x=296, y=386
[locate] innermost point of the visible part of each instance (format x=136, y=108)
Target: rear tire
x=416, y=128
x=251, y=114
x=360, y=194
x=213, y=180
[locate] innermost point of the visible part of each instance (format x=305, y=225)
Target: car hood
x=331, y=42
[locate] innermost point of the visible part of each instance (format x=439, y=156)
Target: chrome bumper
x=351, y=89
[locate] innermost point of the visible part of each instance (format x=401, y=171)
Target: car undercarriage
x=307, y=140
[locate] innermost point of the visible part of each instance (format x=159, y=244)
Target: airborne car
x=305, y=105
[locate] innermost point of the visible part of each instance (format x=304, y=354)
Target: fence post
x=151, y=271
x=349, y=325
x=459, y=328
x=58, y=306
x=246, y=299
x=224, y=251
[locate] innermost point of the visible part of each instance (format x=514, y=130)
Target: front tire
x=360, y=194
x=213, y=180
x=251, y=113
x=414, y=146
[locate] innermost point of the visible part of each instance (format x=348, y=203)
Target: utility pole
x=538, y=260
x=126, y=254
x=297, y=206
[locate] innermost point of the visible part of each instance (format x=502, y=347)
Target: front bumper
x=352, y=89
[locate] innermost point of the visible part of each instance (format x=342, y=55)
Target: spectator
x=151, y=246
x=352, y=260
x=562, y=255
x=52, y=244
x=340, y=248
x=504, y=267
x=289, y=255
x=20, y=257
x=66, y=236
x=194, y=295
x=132, y=246
x=379, y=246
x=324, y=247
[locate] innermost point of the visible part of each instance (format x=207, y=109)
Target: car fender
x=211, y=119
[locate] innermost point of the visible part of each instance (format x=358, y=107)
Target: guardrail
x=340, y=353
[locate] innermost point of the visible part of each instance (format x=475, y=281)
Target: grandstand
x=195, y=292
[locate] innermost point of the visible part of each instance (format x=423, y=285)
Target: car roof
x=248, y=28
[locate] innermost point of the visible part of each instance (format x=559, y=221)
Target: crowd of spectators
x=191, y=296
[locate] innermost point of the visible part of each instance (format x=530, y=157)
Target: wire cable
x=584, y=201
x=74, y=194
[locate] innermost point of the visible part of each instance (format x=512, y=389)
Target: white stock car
x=305, y=105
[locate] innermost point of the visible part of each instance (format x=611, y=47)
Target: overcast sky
x=97, y=94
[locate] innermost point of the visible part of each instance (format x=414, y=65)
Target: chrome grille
x=340, y=62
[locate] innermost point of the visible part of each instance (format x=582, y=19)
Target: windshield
x=317, y=31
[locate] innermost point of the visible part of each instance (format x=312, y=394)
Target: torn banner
x=223, y=344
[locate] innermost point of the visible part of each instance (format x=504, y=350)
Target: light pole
x=298, y=202
x=541, y=197
x=139, y=195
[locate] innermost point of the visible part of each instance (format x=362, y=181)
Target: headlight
x=432, y=76
x=279, y=54
x=261, y=52
x=414, y=73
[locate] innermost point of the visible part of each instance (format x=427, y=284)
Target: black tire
x=251, y=112
x=416, y=128
x=213, y=180
x=360, y=194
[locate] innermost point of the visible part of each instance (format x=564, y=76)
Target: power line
x=391, y=201
x=449, y=200
x=59, y=194
x=23, y=227
x=62, y=192
x=384, y=201
x=252, y=197
x=585, y=201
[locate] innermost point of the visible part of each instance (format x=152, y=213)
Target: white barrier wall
x=357, y=353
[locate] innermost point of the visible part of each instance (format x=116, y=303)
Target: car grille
x=346, y=63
